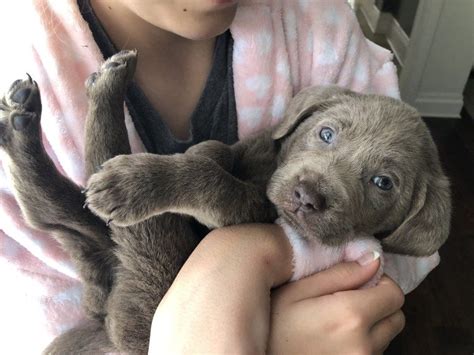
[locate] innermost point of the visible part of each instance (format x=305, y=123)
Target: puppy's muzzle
x=307, y=199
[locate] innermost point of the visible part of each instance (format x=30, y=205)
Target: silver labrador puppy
x=339, y=165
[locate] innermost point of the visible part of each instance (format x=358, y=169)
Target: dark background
x=440, y=312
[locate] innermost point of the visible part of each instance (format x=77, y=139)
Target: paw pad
x=20, y=106
x=114, y=74
x=21, y=121
x=20, y=96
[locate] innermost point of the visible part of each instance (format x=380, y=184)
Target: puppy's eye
x=382, y=182
x=327, y=135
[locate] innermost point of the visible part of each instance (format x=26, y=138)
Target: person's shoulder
x=333, y=18
x=334, y=14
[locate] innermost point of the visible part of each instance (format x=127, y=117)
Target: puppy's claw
x=108, y=222
x=84, y=191
x=29, y=78
x=86, y=204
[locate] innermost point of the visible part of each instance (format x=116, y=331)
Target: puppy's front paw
x=119, y=192
x=113, y=75
x=20, y=112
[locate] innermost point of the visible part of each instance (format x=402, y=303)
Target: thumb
x=340, y=277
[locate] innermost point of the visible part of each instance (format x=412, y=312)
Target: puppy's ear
x=426, y=227
x=306, y=102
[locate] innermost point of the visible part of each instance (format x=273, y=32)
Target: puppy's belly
x=312, y=256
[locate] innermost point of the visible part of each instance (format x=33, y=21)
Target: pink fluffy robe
x=280, y=47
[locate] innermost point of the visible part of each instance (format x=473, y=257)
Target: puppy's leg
x=132, y=188
x=151, y=253
x=87, y=338
x=217, y=151
x=106, y=133
x=48, y=200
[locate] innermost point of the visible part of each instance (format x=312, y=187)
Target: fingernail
x=369, y=257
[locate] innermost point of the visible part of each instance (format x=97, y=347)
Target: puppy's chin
x=329, y=228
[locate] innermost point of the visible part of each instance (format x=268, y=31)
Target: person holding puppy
x=197, y=80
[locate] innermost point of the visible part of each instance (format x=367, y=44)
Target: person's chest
x=174, y=91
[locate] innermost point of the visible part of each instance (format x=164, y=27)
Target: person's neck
x=171, y=70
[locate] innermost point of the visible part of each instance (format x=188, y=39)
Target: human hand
x=327, y=314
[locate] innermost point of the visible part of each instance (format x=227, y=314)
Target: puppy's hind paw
x=113, y=75
x=20, y=111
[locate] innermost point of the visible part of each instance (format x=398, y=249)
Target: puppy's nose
x=308, y=199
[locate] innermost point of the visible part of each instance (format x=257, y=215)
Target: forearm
x=220, y=300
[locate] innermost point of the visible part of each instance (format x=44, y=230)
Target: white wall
x=439, y=57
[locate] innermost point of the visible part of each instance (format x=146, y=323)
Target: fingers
x=341, y=277
x=380, y=301
x=388, y=328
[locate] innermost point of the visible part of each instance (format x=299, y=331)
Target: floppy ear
x=304, y=104
x=426, y=227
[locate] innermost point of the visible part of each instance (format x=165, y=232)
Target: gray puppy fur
x=338, y=165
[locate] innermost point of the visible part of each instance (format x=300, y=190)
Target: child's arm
x=235, y=285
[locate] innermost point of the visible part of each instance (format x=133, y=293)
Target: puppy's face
x=360, y=164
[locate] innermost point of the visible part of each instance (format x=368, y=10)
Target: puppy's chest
x=256, y=173
x=255, y=159
x=311, y=256
x=165, y=229
x=256, y=169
